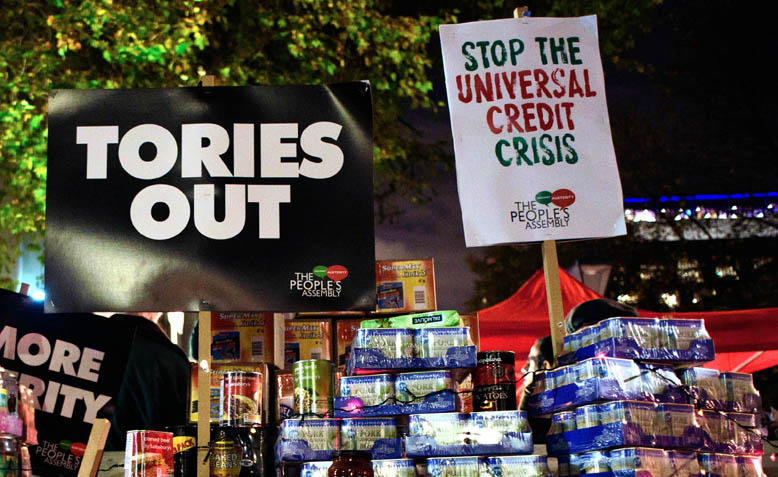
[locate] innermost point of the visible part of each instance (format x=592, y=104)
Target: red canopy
x=515, y=323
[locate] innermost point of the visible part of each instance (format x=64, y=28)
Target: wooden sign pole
x=203, y=391
x=556, y=313
x=204, y=372
x=93, y=453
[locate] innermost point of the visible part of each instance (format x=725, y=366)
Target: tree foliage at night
x=150, y=43
x=167, y=43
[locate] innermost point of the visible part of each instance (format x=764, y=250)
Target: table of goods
x=399, y=402
x=631, y=401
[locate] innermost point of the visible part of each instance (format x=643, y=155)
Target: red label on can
x=241, y=394
x=148, y=453
x=493, y=373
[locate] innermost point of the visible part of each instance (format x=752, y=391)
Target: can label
x=393, y=343
x=495, y=397
x=240, y=396
x=225, y=459
x=371, y=390
x=318, y=434
x=313, y=388
x=394, y=468
x=411, y=388
x=435, y=342
x=148, y=453
x=315, y=469
x=361, y=434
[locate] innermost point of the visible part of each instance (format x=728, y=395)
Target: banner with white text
x=74, y=364
x=251, y=198
x=532, y=140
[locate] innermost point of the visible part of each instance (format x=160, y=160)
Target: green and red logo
x=75, y=448
x=560, y=197
x=334, y=272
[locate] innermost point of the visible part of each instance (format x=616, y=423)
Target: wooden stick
x=203, y=391
x=204, y=372
x=556, y=313
x=93, y=454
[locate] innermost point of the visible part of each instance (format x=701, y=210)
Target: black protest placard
x=74, y=364
x=230, y=198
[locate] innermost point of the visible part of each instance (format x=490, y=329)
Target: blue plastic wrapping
x=457, y=466
x=369, y=359
x=394, y=468
x=307, y=440
x=444, y=401
x=375, y=435
x=649, y=339
x=710, y=389
x=518, y=466
x=730, y=433
x=470, y=434
x=630, y=424
x=603, y=379
x=315, y=469
x=631, y=462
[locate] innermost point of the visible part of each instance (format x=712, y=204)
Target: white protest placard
x=532, y=140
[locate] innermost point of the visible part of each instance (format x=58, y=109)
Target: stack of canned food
x=600, y=379
x=642, y=425
x=496, y=436
x=644, y=338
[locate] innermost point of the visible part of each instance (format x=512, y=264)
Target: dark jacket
x=155, y=390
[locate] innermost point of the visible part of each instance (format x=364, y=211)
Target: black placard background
x=96, y=261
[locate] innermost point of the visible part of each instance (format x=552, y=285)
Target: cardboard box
x=246, y=337
x=405, y=285
x=307, y=339
x=471, y=321
x=345, y=331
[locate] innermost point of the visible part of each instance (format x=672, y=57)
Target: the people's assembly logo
x=321, y=282
x=548, y=210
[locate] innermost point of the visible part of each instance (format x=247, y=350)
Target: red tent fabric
x=515, y=323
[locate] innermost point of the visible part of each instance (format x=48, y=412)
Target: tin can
x=394, y=468
x=361, y=434
x=315, y=469
x=494, y=386
x=563, y=422
x=184, y=450
x=240, y=396
x=412, y=388
x=314, y=386
x=148, y=453
x=456, y=466
x=392, y=342
x=225, y=454
x=519, y=466
x=587, y=416
x=435, y=342
x=373, y=390
x=318, y=434
x=9, y=456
